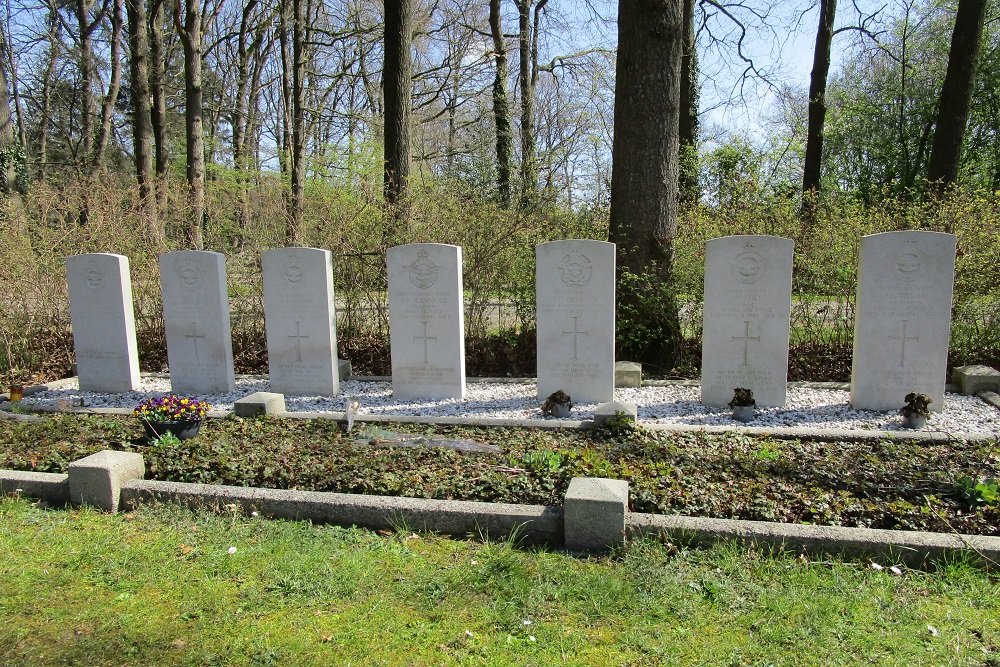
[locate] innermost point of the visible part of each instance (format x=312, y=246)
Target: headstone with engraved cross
x=426, y=321
x=748, y=296
x=301, y=321
x=575, y=304
x=903, y=318
x=196, y=317
x=100, y=304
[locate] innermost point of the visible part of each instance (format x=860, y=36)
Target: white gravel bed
x=672, y=404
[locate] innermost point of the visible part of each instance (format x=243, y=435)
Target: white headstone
x=426, y=325
x=903, y=318
x=575, y=311
x=100, y=304
x=300, y=321
x=196, y=317
x=748, y=300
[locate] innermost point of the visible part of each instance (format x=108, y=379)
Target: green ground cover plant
x=166, y=586
x=888, y=484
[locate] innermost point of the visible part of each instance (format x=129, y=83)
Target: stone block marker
x=903, y=318
x=49, y=486
x=426, y=321
x=628, y=374
x=344, y=369
x=300, y=320
x=96, y=480
x=976, y=378
x=594, y=513
x=259, y=403
x=575, y=313
x=100, y=304
x=748, y=301
x=606, y=411
x=196, y=317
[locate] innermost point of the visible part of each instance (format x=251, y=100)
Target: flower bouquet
x=171, y=414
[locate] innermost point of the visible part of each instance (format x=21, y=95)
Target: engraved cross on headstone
x=425, y=338
x=903, y=338
x=576, y=333
x=746, y=338
x=298, y=336
x=194, y=336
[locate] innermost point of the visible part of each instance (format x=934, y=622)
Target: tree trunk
x=87, y=110
x=55, y=44
x=246, y=52
x=8, y=176
x=298, y=153
x=158, y=111
x=644, y=177
x=956, y=94
x=529, y=167
x=398, y=91
x=688, y=122
x=142, y=128
x=114, y=85
x=811, y=171
x=190, y=34
x=501, y=110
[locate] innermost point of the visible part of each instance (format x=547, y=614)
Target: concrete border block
x=991, y=397
x=96, y=480
x=51, y=487
x=529, y=524
x=605, y=411
x=628, y=374
x=976, y=378
x=594, y=513
x=259, y=403
x=914, y=548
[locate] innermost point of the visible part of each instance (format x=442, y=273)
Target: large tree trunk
x=7, y=172
x=956, y=94
x=688, y=122
x=501, y=109
x=644, y=176
x=142, y=127
x=811, y=171
x=190, y=34
x=114, y=85
x=158, y=111
x=529, y=162
x=298, y=153
x=398, y=91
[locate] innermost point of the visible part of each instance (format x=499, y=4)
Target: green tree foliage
x=883, y=105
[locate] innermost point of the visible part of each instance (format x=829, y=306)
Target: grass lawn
x=160, y=587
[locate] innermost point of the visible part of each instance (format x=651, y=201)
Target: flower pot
x=561, y=409
x=744, y=413
x=183, y=430
x=16, y=392
x=914, y=421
